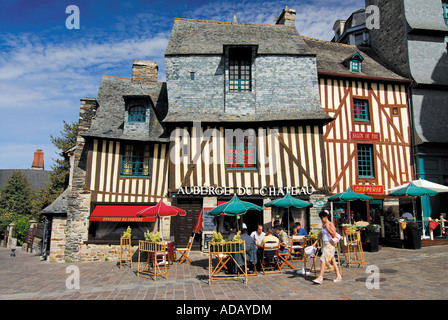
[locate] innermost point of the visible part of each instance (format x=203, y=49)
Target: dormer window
x=354, y=62
x=240, y=69
x=137, y=114
x=137, y=109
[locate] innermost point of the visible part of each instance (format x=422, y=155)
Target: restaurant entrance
x=182, y=226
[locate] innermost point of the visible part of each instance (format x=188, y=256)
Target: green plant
x=351, y=228
x=21, y=227
x=127, y=233
x=237, y=237
x=314, y=234
x=412, y=225
x=373, y=228
x=217, y=237
x=152, y=237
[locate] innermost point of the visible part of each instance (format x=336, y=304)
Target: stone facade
x=78, y=198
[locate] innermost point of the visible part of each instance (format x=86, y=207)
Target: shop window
x=240, y=69
x=135, y=160
x=361, y=110
x=365, y=161
x=241, y=152
x=137, y=114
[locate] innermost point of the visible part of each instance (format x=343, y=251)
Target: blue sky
x=45, y=68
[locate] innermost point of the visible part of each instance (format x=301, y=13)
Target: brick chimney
x=144, y=72
x=38, y=162
x=287, y=17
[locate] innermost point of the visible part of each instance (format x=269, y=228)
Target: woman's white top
x=325, y=234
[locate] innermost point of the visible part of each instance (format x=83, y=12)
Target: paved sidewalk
x=404, y=275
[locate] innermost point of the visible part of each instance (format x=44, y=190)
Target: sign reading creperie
x=368, y=189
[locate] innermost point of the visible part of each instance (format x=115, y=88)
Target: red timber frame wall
x=387, y=133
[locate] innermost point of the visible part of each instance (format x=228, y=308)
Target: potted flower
x=351, y=228
x=413, y=237
x=152, y=237
x=127, y=233
x=345, y=227
x=402, y=223
x=216, y=243
x=373, y=236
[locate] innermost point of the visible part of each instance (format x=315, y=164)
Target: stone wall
x=78, y=197
x=57, y=242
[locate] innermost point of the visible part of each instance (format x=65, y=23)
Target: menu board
x=208, y=220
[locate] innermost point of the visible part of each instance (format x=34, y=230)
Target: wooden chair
x=234, y=252
x=155, y=263
x=296, y=252
x=269, y=260
x=185, y=251
x=354, y=248
x=125, y=252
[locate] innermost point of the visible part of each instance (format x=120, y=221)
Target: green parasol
x=287, y=202
x=234, y=207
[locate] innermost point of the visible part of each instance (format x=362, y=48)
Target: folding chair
x=269, y=260
x=354, y=248
x=185, y=251
x=285, y=256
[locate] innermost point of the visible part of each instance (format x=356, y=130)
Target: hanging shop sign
x=245, y=191
x=365, y=136
x=373, y=189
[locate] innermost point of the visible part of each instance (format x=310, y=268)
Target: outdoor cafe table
x=226, y=252
x=154, y=266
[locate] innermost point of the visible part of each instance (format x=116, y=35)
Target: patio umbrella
x=287, y=202
x=234, y=207
x=412, y=190
x=161, y=210
x=425, y=184
x=347, y=196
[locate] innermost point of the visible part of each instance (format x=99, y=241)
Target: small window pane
x=361, y=110
x=365, y=161
x=137, y=114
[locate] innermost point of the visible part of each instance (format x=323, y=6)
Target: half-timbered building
x=368, y=145
x=245, y=119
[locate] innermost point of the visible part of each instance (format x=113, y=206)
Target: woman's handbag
x=336, y=239
x=310, y=251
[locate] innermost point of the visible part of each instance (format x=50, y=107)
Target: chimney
x=287, y=17
x=144, y=72
x=38, y=162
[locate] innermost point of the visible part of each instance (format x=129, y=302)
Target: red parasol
x=161, y=210
x=198, y=226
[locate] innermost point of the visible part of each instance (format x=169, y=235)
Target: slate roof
x=331, y=57
x=36, y=178
x=109, y=119
x=209, y=37
x=59, y=206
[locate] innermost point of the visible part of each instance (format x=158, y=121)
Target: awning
x=119, y=213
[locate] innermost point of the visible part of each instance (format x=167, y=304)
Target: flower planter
x=403, y=225
x=433, y=225
x=374, y=239
x=413, y=239
x=345, y=229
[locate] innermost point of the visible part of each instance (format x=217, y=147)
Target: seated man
x=251, y=247
x=283, y=239
x=269, y=237
x=299, y=231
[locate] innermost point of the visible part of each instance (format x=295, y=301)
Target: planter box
x=225, y=247
x=413, y=239
x=373, y=241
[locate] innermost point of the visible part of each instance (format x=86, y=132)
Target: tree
x=59, y=176
x=15, y=199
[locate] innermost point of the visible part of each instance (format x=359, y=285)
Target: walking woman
x=328, y=249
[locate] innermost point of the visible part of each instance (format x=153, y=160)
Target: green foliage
x=16, y=199
x=59, y=176
x=22, y=226
x=127, y=233
x=152, y=237
x=314, y=234
x=412, y=225
x=373, y=228
x=217, y=237
x=237, y=237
